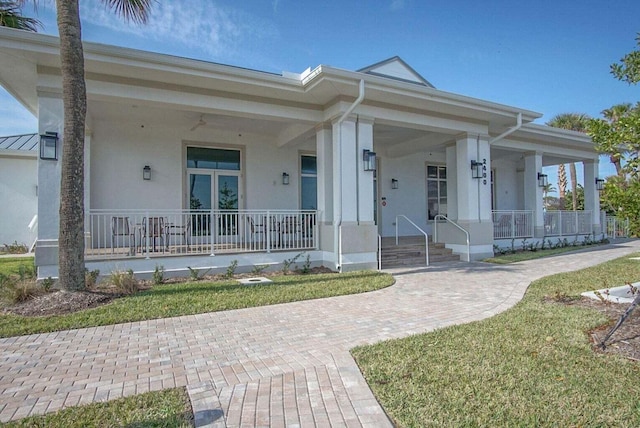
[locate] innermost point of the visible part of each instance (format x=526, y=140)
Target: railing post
x=147, y=230
x=267, y=229
x=513, y=224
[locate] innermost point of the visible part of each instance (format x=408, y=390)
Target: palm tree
x=572, y=122
x=562, y=185
x=548, y=188
x=614, y=114
x=71, y=275
x=11, y=16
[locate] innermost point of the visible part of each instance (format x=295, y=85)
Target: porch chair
x=289, y=229
x=183, y=230
x=255, y=230
x=120, y=226
x=157, y=230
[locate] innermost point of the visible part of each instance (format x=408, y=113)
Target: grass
x=169, y=408
x=11, y=265
x=170, y=300
x=522, y=256
x=532, y=365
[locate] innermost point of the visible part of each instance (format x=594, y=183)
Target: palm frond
x=11, y=16
x=131, y=10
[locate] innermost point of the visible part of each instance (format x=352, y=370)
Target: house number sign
x=484, y=171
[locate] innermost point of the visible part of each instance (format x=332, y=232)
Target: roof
x=25, y=143
x=396, y=68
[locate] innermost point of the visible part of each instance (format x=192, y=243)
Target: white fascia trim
x=30, y=154
x=421, y=92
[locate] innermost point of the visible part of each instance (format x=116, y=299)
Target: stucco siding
x=18, y=193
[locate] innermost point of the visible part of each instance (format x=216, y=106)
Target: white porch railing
x=520, y=224
x=615, y=227
x=560, y=223
x=147, y=233
x=33, y=232
x=512, y=224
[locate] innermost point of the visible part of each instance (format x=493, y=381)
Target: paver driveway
x=281, y=365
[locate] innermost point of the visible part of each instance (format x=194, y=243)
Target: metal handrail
x=426, y=237
x=379, y=252
x=435, y=231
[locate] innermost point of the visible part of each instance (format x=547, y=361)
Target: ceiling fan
x=200, y=123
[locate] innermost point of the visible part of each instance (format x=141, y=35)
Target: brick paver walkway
x=281, y=365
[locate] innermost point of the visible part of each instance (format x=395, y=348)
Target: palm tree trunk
x=574, y=185
x=562, y=185
x=71, y=238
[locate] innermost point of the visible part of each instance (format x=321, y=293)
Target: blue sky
x=547, y=56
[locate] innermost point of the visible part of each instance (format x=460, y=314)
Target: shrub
x=258, y=269
x=231, y=269
x=158, y=275
x=21, y=290
x=286, y=263
x=14, y=248
x=47, y=283
x=125, y=282
x=91, y=277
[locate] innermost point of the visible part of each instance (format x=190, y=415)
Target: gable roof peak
x=396, y=68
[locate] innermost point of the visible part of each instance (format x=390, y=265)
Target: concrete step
x=410, y=252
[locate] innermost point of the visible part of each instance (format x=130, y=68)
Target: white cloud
x=397, y=4
x=194, y=24
x=276, y=3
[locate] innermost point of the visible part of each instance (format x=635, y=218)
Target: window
x=436, y=191
x=308, y=183
x=200, y=157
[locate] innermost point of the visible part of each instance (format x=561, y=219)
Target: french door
x=218, y=191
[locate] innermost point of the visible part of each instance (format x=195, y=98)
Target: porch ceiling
x=142, y=115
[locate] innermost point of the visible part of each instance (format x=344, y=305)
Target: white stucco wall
x=118, y=154
x=18, y=196
x=506, y=185
x=410, y=197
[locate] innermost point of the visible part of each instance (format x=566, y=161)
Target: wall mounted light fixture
x=285, y=179
x=369, y=159
x=394, y=183
x=599, y=184
x=49, y=146
x=542, y=180
x=476, y=169
x=146, y=172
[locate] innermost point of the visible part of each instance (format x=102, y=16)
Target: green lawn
x=529, y=366
x=169, y=408
x=11, y=265
x=170, y=300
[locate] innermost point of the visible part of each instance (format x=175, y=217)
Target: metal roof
x=26, y=142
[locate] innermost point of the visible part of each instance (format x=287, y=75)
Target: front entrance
x=214, y=188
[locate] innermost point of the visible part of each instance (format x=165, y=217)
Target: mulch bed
x=626, y=340
x=65, y=302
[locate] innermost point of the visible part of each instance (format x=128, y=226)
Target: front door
x=218, y=191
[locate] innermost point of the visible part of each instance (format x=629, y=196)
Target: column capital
x=323, y=126
x=367, y=120
x=351, y=118
x=473, y=136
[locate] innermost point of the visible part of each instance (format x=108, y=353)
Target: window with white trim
x=308, y=182
x=436, y=191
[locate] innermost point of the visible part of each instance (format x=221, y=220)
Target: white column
x=452, y=183
x=50, y=119
x=591, y=195
x=324, y=159
x=473, y=194
x=365, y=178
x=345, y=165
x=532, y=192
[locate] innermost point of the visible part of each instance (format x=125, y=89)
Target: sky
x=547, y=56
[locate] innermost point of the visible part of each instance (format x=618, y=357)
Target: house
x=18, y=190
x=191, y=163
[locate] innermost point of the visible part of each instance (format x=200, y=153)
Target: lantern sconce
x=542, y=180
x=49, y=146
x=369, y=159
x=285, y=179
x=146, y=172
x=599, y=184
x=394, y=183
x=476, y=169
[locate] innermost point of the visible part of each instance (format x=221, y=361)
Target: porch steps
x=410, y=252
